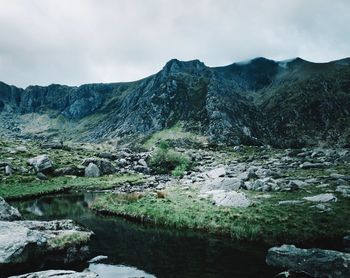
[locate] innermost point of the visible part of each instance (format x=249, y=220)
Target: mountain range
x=290, y=103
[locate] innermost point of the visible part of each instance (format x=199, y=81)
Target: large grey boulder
x=222, y=184
x=7, y=212
x=58, y=274
x=23, y=241
x=41, y=163
x=313, y=262
x=92, y=170
x=104, y=165
x=227, y=199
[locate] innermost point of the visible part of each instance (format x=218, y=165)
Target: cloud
x=84, y=41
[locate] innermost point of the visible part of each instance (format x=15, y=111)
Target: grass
x=17, y=188
x=166, y=161
x=68, y=239
x=25, y=185
x=173, y=133
x=264, y=221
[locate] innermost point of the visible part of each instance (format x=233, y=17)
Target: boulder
x=309, y=165
x=107, y=155
x=8, y=170
x=70, y=171
x=58, y=274
x=227, y=184
x=92, y=170
x=216, y=173
x=24, y=241
x=52, y=145
x=7, y=212
x=21, y=149
x=104, y=165
x=228, y=199
x=313, y=262
x=41, y=176
x=322, y=198
x=41, y=163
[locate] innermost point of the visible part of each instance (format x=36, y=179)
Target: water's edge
x=136, y=250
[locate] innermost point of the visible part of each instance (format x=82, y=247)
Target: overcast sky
x=84, y=41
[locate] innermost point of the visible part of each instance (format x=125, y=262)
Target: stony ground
x=251, y=193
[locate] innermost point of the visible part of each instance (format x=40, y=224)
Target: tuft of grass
x=166, y=161
x=173, y=133
x=68, y=239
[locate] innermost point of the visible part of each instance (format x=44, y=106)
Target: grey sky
x=83, y=41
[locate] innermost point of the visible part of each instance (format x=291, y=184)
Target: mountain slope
x=288, y=103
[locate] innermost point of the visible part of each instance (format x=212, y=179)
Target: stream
x=138, y=250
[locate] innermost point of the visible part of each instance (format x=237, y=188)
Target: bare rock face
x=7, y=212
x=313, y=262
x=58, y=274
x=24, y=241
x=41, y=163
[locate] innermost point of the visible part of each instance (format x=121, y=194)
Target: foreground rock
x=26, y=241
x=7, y=212
x=313, y=262
x=58, y=274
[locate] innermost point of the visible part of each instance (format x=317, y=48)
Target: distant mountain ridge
x=261, y=101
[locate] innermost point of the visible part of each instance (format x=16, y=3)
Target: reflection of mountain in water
x=162, y=252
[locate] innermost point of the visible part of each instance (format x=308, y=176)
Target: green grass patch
x=19, y=188
x=166, y=161
x=173, y=133
x=68, y=239
x=264, y=221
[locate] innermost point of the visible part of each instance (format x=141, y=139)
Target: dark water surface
x=136, y=250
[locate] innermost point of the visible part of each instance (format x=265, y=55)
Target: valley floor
x=245, y=193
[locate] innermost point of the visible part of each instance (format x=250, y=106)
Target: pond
x=137, y=250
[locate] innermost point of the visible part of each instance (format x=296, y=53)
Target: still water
x=136, y=250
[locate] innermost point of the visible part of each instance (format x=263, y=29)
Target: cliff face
x=287, y=103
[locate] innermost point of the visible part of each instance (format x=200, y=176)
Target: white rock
x=216, y=173
x=322, y=198
x=228, y=199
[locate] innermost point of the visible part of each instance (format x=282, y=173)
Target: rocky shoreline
x=29, y=244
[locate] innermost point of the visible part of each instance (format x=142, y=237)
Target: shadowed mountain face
x=288, y=103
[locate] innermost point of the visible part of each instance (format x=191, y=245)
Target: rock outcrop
x=313, y=262
x=290, y=103
x=26, y=241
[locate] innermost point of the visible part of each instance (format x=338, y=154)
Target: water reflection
x=161, y=252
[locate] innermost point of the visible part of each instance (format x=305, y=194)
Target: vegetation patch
x=68, y=239
x=19, y=188
x=265, y=220
x=166, y=161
